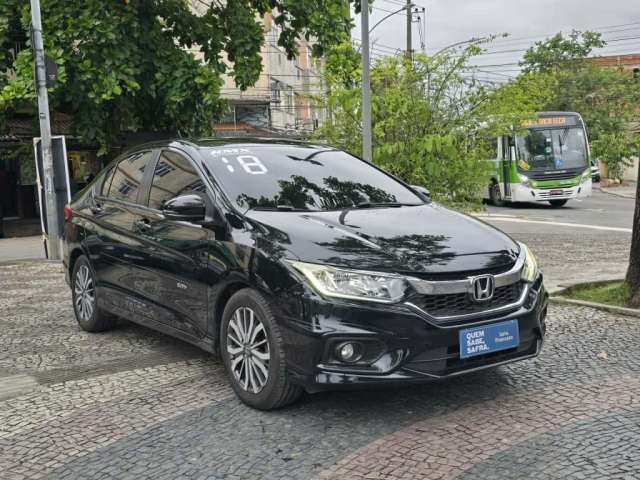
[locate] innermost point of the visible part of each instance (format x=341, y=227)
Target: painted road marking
x=510, y=218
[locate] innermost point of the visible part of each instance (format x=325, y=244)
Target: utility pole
x=367, y=153
x=53, y=227
x=409, y=21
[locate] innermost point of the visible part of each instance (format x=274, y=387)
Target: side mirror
x=422, y=192
x=185, y=208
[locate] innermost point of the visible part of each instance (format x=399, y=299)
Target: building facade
x=629, y=62
x=288, y=97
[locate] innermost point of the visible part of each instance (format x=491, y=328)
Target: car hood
x=426, y=239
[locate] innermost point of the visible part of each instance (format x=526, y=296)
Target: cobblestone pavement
x=135, y=404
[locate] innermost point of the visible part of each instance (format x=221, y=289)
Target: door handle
x=143, y=224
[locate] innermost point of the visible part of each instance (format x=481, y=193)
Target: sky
x=451, y=21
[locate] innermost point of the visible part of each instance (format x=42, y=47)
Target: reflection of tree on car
x=300, y=193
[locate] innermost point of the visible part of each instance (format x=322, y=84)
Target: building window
x=275, y=91
x=289, y=99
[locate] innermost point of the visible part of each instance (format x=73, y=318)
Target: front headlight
x=353, y=284
x=530, y=267
x=524, y=180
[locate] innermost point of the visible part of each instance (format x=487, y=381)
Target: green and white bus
x=550, y=163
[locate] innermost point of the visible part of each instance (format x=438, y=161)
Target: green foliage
x=154, y=65
x=615, y=150
x=432, y=126
x=611, y=293
x=560, y=52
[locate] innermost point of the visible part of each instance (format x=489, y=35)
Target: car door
x=175, y=253
x=113, y=245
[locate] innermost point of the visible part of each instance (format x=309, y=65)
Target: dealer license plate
x=556, y=192
x=489, y=339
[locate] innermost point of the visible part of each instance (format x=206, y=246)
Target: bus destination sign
x=568, y=121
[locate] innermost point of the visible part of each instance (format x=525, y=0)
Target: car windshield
x=302, y=177
x=553, y=149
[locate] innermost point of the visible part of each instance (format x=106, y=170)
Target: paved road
x=601, y=209
x=134, y=404
x=584, y=241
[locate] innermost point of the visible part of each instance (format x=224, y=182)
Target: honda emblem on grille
x=482, y=288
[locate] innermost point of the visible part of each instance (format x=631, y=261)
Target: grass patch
x=610, y=293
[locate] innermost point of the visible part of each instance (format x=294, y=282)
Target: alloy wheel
x=248, y=349
x=84, y=293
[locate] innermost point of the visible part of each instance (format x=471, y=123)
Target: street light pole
x=409, y=21
x=367, y=153
x=53, y=228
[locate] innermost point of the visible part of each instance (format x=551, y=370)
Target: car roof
x=228, y=142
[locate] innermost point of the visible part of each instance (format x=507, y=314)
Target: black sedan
x=304, y=267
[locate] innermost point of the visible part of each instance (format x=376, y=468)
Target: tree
x=633, y=272
x=154, y=65
x=433, y=124
x=560, y=52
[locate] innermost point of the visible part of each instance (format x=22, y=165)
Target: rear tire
x=252, y=350
x=558, y=203
x=83, y=293
x=495, y=196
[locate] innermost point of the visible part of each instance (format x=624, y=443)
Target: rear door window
x=128, y=176
x=107, y=182
x=174, y=175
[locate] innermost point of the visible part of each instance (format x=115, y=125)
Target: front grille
x=553, y=175
x=461, y=275
x=456, y=304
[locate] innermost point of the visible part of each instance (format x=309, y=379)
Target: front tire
x=83, y=293
x=252, y=350
x=558, y=203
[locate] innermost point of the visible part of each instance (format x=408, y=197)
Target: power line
x=602, y=29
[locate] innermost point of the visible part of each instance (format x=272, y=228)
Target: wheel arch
x=219, y=304
x=76, y=253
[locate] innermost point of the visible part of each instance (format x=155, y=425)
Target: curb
x=616, y=194
x=628, y=312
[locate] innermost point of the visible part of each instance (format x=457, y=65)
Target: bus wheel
x=495, y=196
x=558, y=203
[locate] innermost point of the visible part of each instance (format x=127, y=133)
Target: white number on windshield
x=249, y=163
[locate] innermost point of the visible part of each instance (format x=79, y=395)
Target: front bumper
x=521, y=193
x=414, y=348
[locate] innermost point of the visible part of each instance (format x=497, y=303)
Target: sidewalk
x=23, y=248
x=627, y=191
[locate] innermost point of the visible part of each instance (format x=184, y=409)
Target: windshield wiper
x=385, y=204
x=282, y=208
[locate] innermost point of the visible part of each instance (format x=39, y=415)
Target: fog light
x=349, y=352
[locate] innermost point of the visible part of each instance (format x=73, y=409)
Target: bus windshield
x=552, y=149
